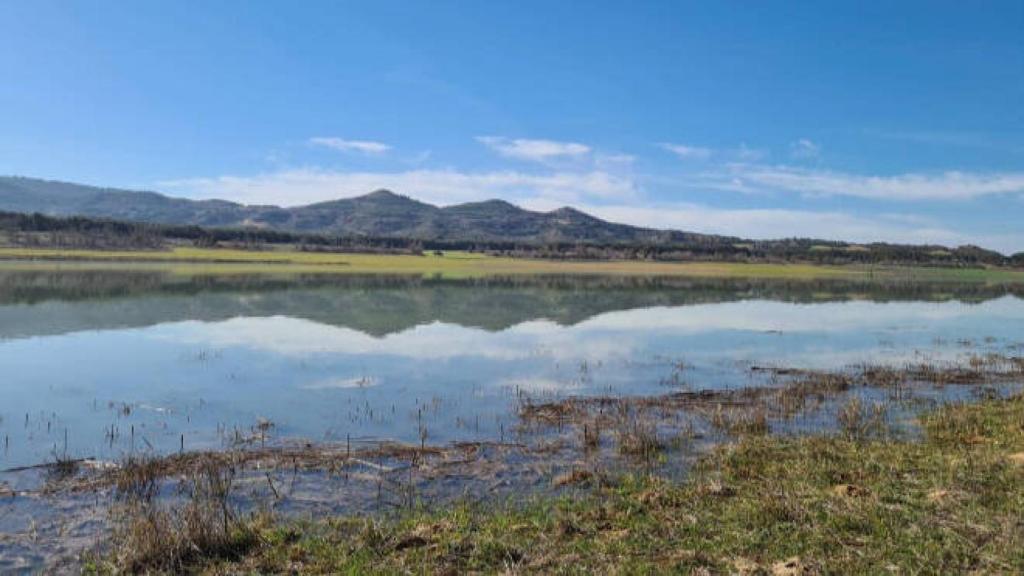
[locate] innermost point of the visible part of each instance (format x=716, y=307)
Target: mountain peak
x=498, y=202
x=492, y=205
x=387, y=197
x=383, y=193
x=381, y=213
x=570, y=212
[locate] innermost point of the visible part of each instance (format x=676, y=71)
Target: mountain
x=380, y=214
x=29, y=195
x=383, y=217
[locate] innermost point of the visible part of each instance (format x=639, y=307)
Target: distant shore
x=463, y=264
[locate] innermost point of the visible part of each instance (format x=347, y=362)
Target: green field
x=455, y=264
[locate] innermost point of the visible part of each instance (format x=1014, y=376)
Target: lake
x=89, y=356
x=102, y=364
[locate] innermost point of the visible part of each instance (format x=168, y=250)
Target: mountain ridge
x=380, y=213
x=383, y=215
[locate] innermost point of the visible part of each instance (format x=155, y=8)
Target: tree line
x=38, y=230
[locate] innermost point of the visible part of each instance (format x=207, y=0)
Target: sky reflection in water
x=188, y=371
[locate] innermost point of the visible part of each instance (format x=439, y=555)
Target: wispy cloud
x=687, y=152
x=747, y=154
x=741, y=153
x=534, y=150
x=342, y=145
x=784, y=223
x=804, y=149
x=742, y=169
x=614, y=160
x=905, y=187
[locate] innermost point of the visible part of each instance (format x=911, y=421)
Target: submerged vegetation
x=861, y=496
x=950, y=501
x=167, y=538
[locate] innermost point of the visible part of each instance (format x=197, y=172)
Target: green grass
x=453, y=264
x=952, y=502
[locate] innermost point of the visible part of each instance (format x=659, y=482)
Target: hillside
x=380, y=214
x=385, y=220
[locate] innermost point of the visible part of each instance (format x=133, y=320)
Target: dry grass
x=857, y=419
x=789, y=393
x=854, y=502
x=638, y=426
x=637, y=433
x=950, y=503
x=590, y=434
x=741, y=420
x=156, y=536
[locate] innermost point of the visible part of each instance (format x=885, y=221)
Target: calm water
x=99, y=364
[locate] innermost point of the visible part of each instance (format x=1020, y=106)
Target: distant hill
x=29, y=195
x=380, y=214
x=385, y=220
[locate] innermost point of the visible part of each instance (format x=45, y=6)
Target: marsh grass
x=787, y=394
x=637, y=433
x=63, y=467
x=153, y=535
x=949, y=503
x=590, y=434
x=857, y=501
x=857, y=419
x=741, y=420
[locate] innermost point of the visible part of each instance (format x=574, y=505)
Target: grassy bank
x=455, y=264
x=950, y=502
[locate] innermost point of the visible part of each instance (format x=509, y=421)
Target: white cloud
x=614, y=160
x=342, y=145
x=747, y=154
x=687, y=152
x=945, y=186
x=783, y=223
x=741, y=153
x=804, y=149
x=534, y=150
x=308, y=185
x=610, y=196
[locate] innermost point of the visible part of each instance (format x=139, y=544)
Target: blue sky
x=861, y=121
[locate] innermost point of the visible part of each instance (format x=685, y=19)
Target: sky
x=860, y=121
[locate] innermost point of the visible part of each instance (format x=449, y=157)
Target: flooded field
x=327, y=394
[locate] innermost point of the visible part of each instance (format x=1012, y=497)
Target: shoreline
x=461, y=264
x=946, y=502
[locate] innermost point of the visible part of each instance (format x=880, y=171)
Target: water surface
x=102, y=364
